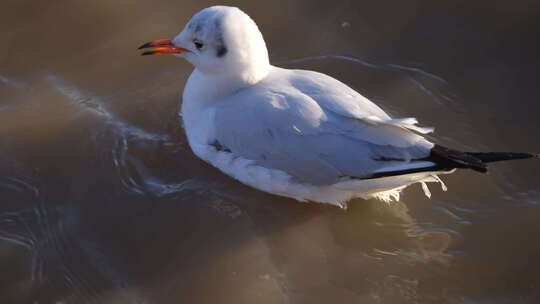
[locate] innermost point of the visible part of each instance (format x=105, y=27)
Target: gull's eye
x=199, y=45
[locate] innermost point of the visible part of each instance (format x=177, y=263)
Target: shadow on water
x=103, y=201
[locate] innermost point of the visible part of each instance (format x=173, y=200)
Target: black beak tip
x=144, y=46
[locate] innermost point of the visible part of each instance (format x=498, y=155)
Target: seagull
x=297, y=133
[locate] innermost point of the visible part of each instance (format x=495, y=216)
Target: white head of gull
x=295, y=133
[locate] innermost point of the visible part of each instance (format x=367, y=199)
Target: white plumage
x=295, y=133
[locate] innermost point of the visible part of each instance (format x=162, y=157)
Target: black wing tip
x=450, y=158
x=488, y=157
x=446, y=159
x=531, y=155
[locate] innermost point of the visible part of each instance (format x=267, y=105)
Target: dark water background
x=102, y=201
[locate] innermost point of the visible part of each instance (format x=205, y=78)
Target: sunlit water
x=102, y=200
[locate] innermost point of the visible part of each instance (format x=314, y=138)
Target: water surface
x=102, y=200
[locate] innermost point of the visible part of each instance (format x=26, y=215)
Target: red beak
x=163, y=46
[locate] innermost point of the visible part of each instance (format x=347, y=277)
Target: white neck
x=205, y=89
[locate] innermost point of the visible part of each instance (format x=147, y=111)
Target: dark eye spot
x=221, y=51
x=199, y=45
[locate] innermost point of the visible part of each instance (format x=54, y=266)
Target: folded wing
x=316, y=131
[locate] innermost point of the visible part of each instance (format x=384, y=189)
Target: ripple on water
x=12, y=82
x=120, y=143
x=432, y=85
x=59, y=255
x=97, y=105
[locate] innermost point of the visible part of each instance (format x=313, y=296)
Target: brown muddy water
x=102, y=200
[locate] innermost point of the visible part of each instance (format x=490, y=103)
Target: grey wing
x=291, y=132
x=335, y=96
